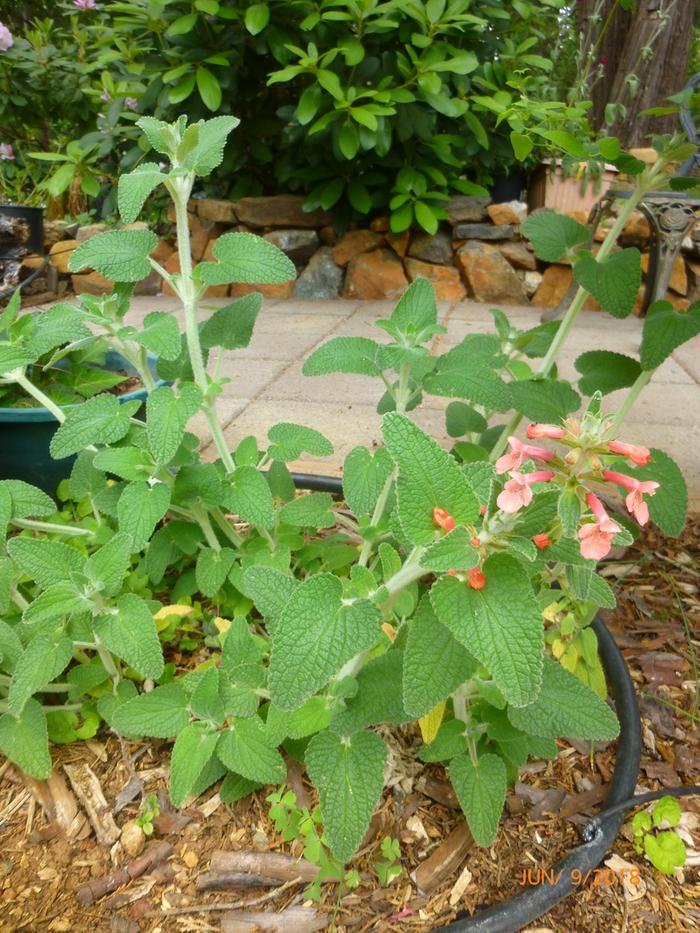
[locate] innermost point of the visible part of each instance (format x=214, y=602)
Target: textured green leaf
x=130, y=463
x=270, y=590
x=349, y=775
x=458, y=375
x=98, y=420
x=235, y=787
x=46, y=562
x=248, y=494
x=247, y=258
x=364, y=477
x=314, y=637
x=167, y=415
x=668, y=507
x=160, y=714
x=10, y=647
x=135, y=187
x=501, y=625
x=414, y=314
x=428, y=478
x=44, y=658
x=56, y=602
x=604, y=371
x=290, y=441
x=453, y=552
x=131, y=634
x=344, y=355
x=546, y=400
x=435, y=664
x=565, y=707
x=245, y=749
x=57, y=326
x=231, y=327
x=160, y=334
x=14, y=357
x=240, y=659
x=192, y=750
x=310, y=511
x=378, y=698
x=25, y=740
x=28, y=500
x=613, y=281
x=140, y=508
x=209, y=151
x=120, y=255
x=665, y=329
x=206, y=702
x=481, y=792
x=462, y=419
x=553, y=235
x=212, y=569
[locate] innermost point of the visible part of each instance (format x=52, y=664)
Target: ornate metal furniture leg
x=670, y=221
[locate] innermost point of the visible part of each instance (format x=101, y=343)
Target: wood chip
x=274, y=865
x=292, y=920
x=88, y=790
x=460, y=886
x=445, y=860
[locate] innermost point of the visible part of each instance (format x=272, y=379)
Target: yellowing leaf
x=431, y=722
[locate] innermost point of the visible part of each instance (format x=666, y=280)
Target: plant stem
x=376, y=517
x=36, y=393
x=108, y=662
x=410, y=571
x=222, y=522
x=71, y=530
x=631, y=397
x=5, y=681
x=201, y=516
x=643, y=184
x=460, y=707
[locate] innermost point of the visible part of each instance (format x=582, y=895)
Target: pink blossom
x=443, y=519
x=105, y=96
x=85, y=4
x=636, y=491
x=541, y=541
x=638, y=455
x=602, y=60
x=596, y=537
x=518, y=454
x=517, y=493
x=130, y=103
x=7, y=153
x=6, y=40
x=536, y=430
x=476, y=579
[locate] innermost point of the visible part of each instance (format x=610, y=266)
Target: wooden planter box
x=566, y=193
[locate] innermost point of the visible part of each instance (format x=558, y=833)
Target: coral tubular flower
x=443, y=519
x=536, y=430
x=476, y=579
x=517, y=493
x=518, y=454
x=636, y=490
x=541, y=541
x=639, y=455
x=596, y=537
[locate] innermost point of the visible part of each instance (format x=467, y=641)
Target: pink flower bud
x=536, y=430
x=443, y=519
x=638, y=455
x=541, y=541
x=476, y=579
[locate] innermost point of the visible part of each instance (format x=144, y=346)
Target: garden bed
x=657, y=584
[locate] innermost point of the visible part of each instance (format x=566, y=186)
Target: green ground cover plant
x=453, y=589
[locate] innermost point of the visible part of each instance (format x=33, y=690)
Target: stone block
x=91, y=283
x=299, y=245
x=283, y=290
x=437, y=248
x=321, y=279
x=508, y=212
x=555, y=283
x=280, y=210
x=679, y=276
x=218, y=210
x=399, y=242
x=376, y=275
x=60, y=253
x=470, y=231
x=467, y=207
x=355, y=242
x=489, y=275
x=445, y=279
x=90, y=230
x=518, y=254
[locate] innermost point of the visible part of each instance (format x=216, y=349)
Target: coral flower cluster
x=475, y=577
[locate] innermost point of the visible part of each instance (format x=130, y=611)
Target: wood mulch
x=48, y=848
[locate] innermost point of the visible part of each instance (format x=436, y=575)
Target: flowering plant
x=455, y=591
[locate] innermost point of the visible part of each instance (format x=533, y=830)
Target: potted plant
x=453, y=594
x=20, y=204
x=66, y=364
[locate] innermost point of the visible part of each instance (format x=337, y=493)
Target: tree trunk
x=665, y=72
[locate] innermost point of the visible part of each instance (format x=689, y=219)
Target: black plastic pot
x=508, y=187
x=521, y=910
x=25, y=436
x=34, y=218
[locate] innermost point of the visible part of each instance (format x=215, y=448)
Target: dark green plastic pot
x=25, y=435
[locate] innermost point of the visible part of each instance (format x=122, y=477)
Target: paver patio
x=267, y=384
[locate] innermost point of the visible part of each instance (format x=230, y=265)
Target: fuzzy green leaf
x=248, y=494
x=349, y=775
x=44, y=658
x=160, y=714
x=344, y=355
x=131, y=634
x=46, y=562
x=364, y=476
x=613, y=281
x=290, y=441
x=428, y=478
x=212, y=569
x=160, y=334
x=270, y=590
x=56, y=602
x=310, y=511
x=247, y=258
x=231, y=327
x=120, y=255
x=140, y=508
x=192, y=751
x=668, y=506
x=209, y=151
x=553, y=235
x=244, y=748
x=546, y=400
x=665, y=329
x=501, y=625
x=135, y=187
x=167, y=415
x=481, y=792
x=98, y=420
x=378, y=699
x=453, y=552
x=604, y=371
x=28, y=501
x=25, y=740
x=565, y=707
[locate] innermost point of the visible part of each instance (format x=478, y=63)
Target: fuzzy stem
x=631, y=397
x=35, y=525
x=36, y=393
x=376, y=517
x=222, y=522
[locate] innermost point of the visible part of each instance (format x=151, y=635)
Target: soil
x=16, y=397
x=656, y=626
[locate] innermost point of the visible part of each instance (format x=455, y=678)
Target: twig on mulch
x=94, y=890
x=230, y=905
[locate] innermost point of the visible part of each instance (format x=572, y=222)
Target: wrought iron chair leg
x=670, y=222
